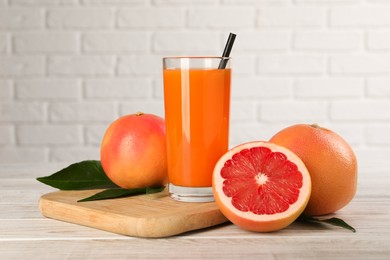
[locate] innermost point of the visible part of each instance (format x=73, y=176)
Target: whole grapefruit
x=331, y=162
x=133, y=151
x=260, y=186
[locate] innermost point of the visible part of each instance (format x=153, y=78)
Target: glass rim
x=196, y=57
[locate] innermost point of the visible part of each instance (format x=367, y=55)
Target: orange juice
x=197, y=105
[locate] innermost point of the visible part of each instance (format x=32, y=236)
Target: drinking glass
x=197, y=104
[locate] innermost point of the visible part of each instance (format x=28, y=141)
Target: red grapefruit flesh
x=261, y=186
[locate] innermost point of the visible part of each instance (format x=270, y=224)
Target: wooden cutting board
x=152, y=215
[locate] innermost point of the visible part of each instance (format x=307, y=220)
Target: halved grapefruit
x=261, y=186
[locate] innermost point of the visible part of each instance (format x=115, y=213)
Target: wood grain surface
x=24, y=232
x=152, y=215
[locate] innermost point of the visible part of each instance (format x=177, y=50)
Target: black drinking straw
x=226, y=51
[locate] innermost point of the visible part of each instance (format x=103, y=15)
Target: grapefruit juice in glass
x=197, y=104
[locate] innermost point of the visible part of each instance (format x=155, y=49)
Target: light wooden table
x=25, y=234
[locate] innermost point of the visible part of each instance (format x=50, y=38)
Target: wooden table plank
x=194, y=248
x=24, y=232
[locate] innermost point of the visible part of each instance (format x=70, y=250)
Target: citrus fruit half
x=133, y=151
x=331, y=162
x=260, y=186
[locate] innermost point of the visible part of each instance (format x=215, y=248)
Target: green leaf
x=119, y=193
x=332, y=221
x=79, y=176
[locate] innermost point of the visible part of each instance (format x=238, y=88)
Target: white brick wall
x=80, y=18
x=70, y=67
